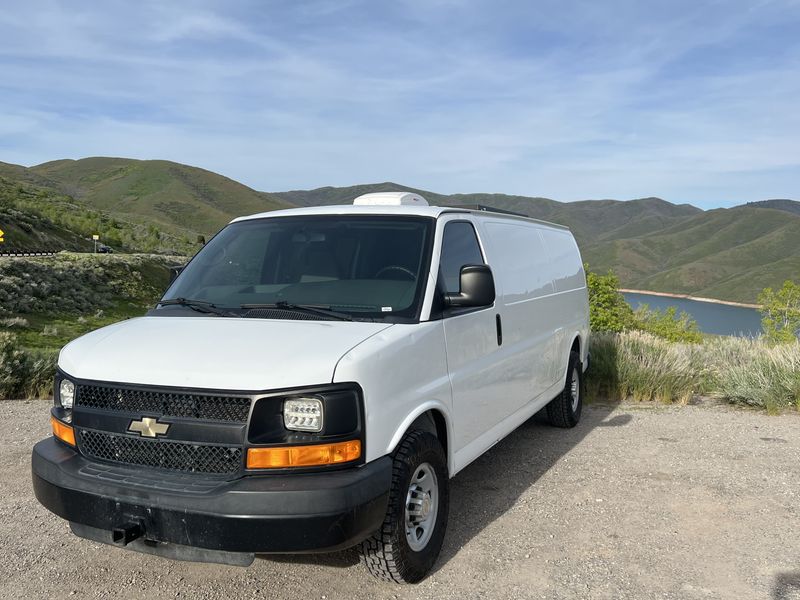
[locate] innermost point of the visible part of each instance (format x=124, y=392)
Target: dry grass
x=25, y=373
x=639, y=366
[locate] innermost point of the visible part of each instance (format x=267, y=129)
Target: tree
x=780, y=312
x=668, y=324
x=608, y=310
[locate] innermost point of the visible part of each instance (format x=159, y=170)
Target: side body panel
x=530, y=312
x=569, y=281
x=542, y=301
x=403, y=373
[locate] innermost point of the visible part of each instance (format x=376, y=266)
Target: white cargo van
x=311, y=381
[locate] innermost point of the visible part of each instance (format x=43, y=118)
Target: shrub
x=608, y=310
x=25, y=373
x=753, y=372
x=667, y=324
x=14, y=322
x=780, y=312
x=640, y=366
x=79, y=283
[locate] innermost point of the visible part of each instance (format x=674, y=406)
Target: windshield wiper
x=314, y=309
x=198, y=305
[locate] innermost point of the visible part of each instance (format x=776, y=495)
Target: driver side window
x=459, y=247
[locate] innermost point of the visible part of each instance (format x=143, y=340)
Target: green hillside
x=730, y=254
x=161, y=207
x=172, y=196
x=590, y=220
x=792, y=206
x=36, y=219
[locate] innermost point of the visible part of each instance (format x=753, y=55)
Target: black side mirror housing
x=476, y=284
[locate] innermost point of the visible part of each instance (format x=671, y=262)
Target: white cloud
x=571, y=100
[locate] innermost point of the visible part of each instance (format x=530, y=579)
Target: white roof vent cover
x=390, y=199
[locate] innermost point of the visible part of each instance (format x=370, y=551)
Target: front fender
x=404, y=426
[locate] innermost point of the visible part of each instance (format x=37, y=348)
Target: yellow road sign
x=95, y=237
x=1, y=235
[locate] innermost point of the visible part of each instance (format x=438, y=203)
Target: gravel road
x=635, y=502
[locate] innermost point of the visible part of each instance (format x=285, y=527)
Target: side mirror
x=174, y=272
x=476, y=283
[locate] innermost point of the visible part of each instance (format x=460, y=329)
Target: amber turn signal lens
x=63, y=431
x=303, y=456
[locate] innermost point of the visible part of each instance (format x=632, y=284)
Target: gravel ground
x=635, y=502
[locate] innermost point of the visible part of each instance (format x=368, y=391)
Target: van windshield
x=367, y=267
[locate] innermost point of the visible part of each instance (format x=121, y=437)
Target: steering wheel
x=403, y=270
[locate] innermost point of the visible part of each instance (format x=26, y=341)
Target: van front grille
x=188, y=457
x=163, y=403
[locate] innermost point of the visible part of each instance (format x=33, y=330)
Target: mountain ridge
x=727, y=253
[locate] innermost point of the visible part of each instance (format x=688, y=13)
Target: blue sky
x=691, y=101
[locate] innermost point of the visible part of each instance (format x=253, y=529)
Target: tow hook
x=125, y=534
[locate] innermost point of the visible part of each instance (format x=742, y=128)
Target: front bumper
x=254, y=514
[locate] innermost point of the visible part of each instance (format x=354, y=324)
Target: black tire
x=560, y=411
x=387, y=553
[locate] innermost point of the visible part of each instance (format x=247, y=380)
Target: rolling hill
x=652, y=244
x=590, y=220
x=37, y=218
x=28, y=230
x=161, y=206
x=175, y=197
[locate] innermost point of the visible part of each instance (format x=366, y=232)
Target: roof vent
x=390, y=199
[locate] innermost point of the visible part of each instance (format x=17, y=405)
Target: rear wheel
x=565, y=409
x=407, y=545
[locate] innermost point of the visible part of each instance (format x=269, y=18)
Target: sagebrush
x=640, y=366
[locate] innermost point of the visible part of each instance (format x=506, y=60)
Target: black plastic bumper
x=254, y=514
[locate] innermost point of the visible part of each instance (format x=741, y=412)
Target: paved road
x=636, y=502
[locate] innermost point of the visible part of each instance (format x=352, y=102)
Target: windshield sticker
x=386, y=309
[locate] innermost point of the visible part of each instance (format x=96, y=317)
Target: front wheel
x=408, y=543
x=565, y=409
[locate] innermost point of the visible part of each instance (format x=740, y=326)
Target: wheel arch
x=432, y=417
x=578, y=345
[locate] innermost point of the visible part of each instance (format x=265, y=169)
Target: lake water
x=720, y=319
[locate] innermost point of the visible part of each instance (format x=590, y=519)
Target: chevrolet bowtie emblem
x=148, y=427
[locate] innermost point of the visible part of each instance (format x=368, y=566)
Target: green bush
x=608, y=310
x=780, y=312
x=71, y=283
x=25, y=373
x=667, y=324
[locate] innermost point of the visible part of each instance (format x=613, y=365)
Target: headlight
x=302, y=414
x=66, y=393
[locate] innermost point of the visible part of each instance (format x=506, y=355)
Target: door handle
x=499, y=324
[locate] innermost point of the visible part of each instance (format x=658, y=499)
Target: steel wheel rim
x=575, y=389
x=422, y=506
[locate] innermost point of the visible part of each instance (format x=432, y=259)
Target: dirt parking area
x=635, y=502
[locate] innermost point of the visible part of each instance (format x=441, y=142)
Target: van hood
x=215, y=352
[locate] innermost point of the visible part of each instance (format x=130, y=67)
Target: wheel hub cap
x=421, y=506
x=575, y=390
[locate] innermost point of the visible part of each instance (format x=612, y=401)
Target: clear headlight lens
x=66, y=393
x=302, y=414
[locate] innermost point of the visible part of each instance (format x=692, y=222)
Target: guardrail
x=23, y=254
